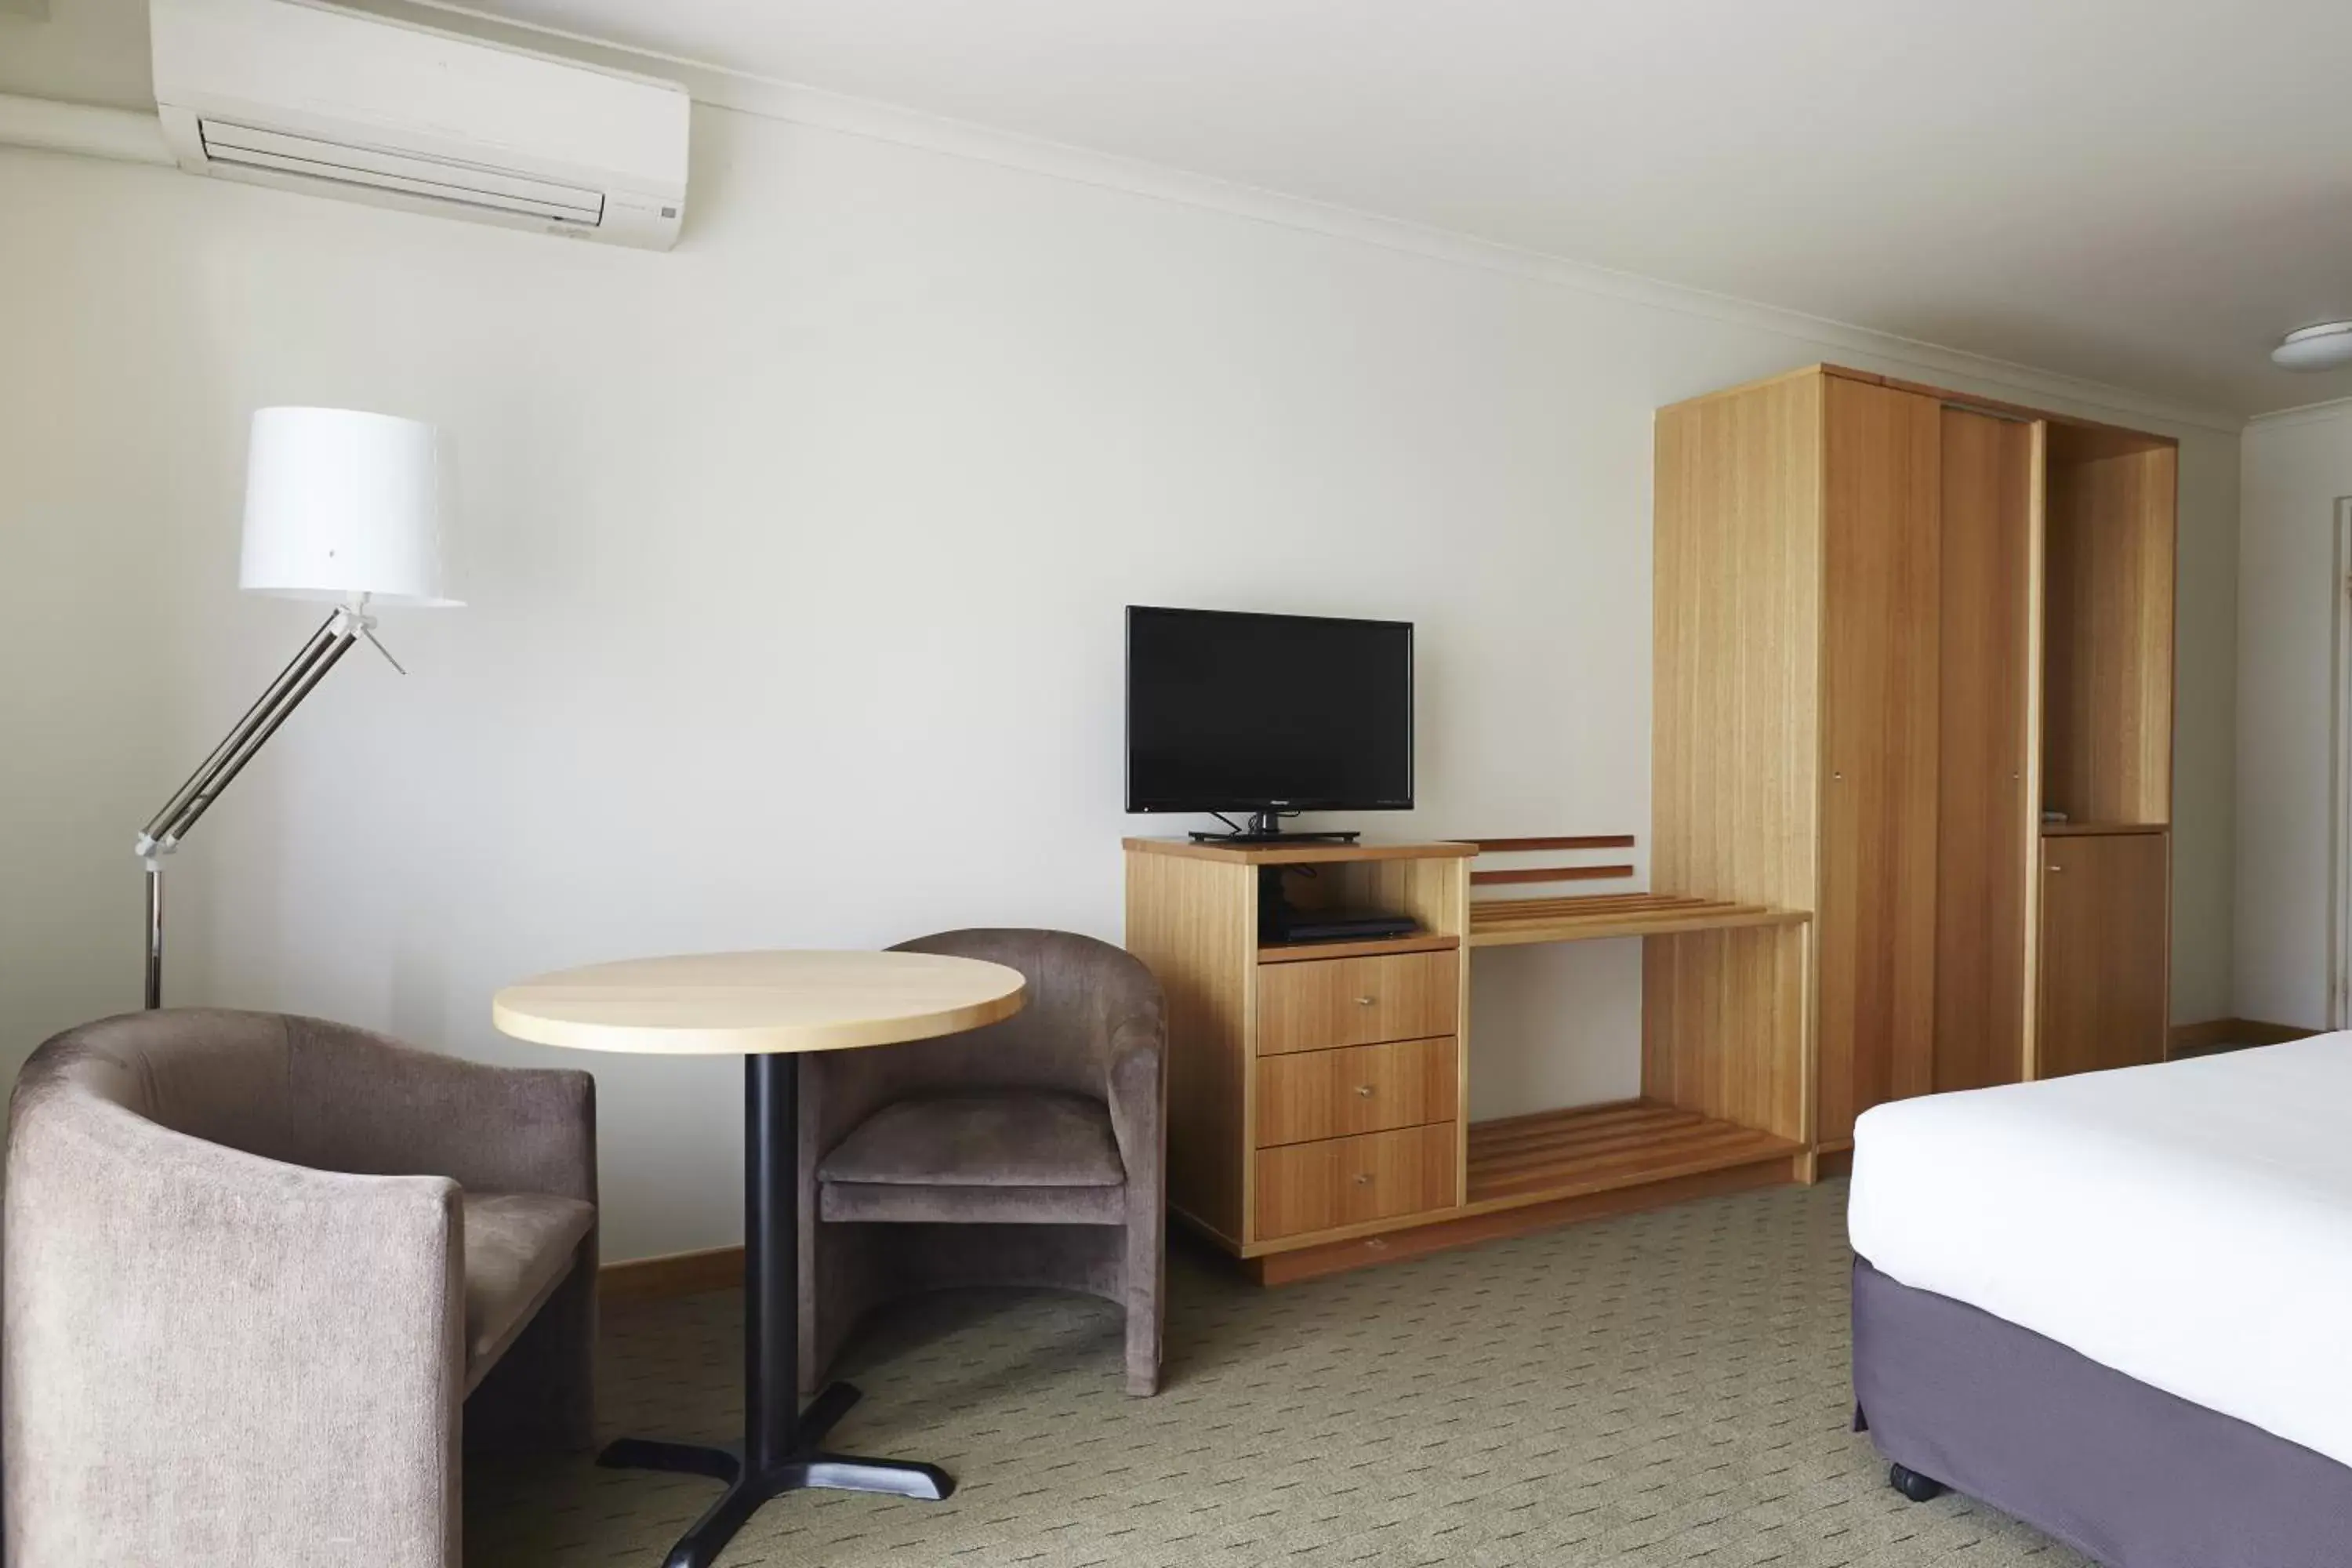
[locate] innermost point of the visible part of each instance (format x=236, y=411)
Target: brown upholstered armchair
x=255, y=1267
x=1029, y=1152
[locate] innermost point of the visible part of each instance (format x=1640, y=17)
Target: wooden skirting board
x=677, y=1274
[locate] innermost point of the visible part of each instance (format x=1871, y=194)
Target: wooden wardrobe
x=1894, y=626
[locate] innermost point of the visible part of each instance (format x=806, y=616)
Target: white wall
x=2297, y=467
x=795, y=560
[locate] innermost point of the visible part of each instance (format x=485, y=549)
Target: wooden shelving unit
x=1500, y=922
x=1601, y=1148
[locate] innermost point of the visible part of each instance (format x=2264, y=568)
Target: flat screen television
x=1267, y=714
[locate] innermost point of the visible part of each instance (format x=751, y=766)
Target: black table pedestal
x=780, y=1450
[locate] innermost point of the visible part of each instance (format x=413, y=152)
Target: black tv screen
x=1229, y=712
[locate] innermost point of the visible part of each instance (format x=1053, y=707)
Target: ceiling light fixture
x=2325, y=346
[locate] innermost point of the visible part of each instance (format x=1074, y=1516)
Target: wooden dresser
x=1315, y=1092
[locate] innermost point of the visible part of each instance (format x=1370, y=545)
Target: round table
x=765, y=1008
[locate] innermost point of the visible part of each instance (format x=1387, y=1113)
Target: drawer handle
x=1363, y=1178
x=1364, y=1001
x=1364, y=1091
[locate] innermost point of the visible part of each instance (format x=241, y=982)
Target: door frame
x=2340, y=816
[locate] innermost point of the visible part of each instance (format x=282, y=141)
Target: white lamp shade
x=339, y=503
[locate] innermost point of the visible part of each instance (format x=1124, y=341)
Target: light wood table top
x=742, y=1004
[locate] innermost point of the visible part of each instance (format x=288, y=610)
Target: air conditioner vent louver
x=437, y=178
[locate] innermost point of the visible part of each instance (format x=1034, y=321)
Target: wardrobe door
x=2105, y=934
x=1984, y=830
x=1880, y=603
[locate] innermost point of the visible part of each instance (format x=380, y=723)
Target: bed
x=2119, y=1306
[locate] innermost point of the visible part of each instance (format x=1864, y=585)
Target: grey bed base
x=2126, y=1474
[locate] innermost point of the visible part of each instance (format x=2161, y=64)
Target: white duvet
x=2189, y=1225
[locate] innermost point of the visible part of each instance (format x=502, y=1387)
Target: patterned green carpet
x=1668, y=1388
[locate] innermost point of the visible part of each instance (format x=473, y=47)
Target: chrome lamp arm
x=347, y=624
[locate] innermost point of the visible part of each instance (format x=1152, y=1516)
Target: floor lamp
x=340, y=507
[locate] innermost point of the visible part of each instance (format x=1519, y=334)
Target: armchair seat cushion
x=1005, y=1138
x=519, y=1245
x=906, y=1203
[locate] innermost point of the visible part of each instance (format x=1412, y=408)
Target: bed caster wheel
x=1913, y=1485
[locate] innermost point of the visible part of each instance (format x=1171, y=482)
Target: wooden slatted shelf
x=1551, y=874
x=1496, y=922
x=1600, y=1148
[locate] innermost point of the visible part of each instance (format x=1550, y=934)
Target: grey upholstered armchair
x=1029, y=1152
x=257, y=1265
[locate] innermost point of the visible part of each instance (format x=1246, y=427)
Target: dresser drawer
x=1308, y=1095
x=1315, y=1004
x=1305, y=1187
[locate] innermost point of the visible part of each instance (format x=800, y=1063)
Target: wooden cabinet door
x=1876, y=914
x=1985, y=828
x=2105, y=944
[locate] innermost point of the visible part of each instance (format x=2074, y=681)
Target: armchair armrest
x=181, y=1312
x=378, y=1106
x=1136, y=1077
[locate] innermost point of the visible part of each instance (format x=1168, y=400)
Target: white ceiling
x=2147, y=193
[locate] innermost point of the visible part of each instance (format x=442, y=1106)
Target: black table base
x=780, y=1450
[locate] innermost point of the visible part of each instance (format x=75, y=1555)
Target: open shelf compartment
x=1599, y=1148
x=2107, y=637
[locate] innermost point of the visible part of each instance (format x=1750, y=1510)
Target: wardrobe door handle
x=1364, y=1091
x=1365, y=1001
x=1363, y=1178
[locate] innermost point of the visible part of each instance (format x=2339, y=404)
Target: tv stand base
x=1266, y=827
x=1275, y=837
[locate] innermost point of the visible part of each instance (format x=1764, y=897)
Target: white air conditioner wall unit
x=282, y=93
